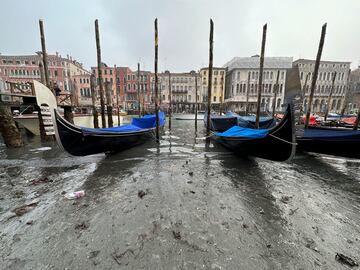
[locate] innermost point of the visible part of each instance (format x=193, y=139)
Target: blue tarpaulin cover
x=237, y=131
x=145, y=122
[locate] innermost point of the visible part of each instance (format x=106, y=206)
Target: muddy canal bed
x=176, y=206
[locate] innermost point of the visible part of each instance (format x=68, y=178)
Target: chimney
x=67, y=56
x=57, y=54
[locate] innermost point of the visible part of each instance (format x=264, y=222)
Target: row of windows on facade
x=324, y=65
x=34, y=72
x=18, y=62
x=179, y=87
x=264, y=105
x=214, y=89
x=37, y=63
x=181, y=79
x=215, y=72
x=267, y=88
x=215, y=81
x=181, y=98
x=325, y=89
x=322, y=104
x=129, y=76
x=267, y=75
x=324, y=76
x=86, y=92
x=83, y=80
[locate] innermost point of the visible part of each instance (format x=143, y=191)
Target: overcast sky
x=127, y=30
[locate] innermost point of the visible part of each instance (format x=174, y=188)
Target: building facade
x=183, y=91
x=242, y=80
x=25, y=68
x=124, y=85
x=217, y=87
x=354, y=94
x=324, y=84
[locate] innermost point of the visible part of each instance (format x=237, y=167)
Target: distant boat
x=277, y=143
x=80, y=141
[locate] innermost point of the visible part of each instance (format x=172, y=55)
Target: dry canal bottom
x=175, y=206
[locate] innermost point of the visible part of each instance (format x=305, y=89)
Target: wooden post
x=8, y=128
x=276, y=88
x=196, y=102
x=42, y=75
x=117, y=91
x=100, y=80
x=211, y=42
x=330, y=95
x=68, y=115
x=44, y=54
x=304, y=88
x=93, y=99
x=247, y=94
x=356, y=125
x=346, y=96
x=170, y=101
x=156, y=83
x=109, y=106
x=221, y=95
x=260, y=76
x=138, y=88
x=314, y=78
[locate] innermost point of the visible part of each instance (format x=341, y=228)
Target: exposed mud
x=176, y=206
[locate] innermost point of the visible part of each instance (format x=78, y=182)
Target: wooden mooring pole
x=247, y=95
x=276, y=88
x=44, y=55
x=8, y=129
x=117, y=92
x=315, y=74
x=260, y=76
x=304, y=90
x=170, y=101
x=156, y=82
x=109, y=106
x=46, y=79
x=93, y=99
x=100, y=80
x=330, y=95
x=196, y=101
x=211, y=44
x=42, y=75
x=356, y=125
x=138, y=89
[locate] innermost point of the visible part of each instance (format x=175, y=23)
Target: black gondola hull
x=278, y=145
x=77, y=143
x=344, y=143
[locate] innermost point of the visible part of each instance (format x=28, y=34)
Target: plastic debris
x=75, y=195
x=345, y=259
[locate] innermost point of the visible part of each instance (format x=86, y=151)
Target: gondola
x=224, y=122
x=277, y=143
x=331, y=141
x=80, y=141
